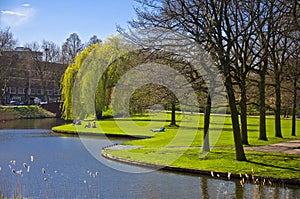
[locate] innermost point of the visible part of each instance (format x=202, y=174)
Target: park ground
x=181, y=147
x=23, y=112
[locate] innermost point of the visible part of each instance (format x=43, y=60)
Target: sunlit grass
x=23, y=112
x=187, y=139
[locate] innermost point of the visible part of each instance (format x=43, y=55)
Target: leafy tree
x=68, y=80
x=84, y=82
x=150, y=95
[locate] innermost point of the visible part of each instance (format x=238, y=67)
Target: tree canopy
x=84, y=78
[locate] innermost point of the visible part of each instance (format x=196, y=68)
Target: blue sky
x=55, y=20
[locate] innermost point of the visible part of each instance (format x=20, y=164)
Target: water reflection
x=71, y=172
x=46, y=123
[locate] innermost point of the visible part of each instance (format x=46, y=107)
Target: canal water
x=35, y=163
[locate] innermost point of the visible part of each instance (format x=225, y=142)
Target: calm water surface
x=63, y=168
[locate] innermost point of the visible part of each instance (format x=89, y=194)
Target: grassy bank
x=181, y=147
x=23, y=112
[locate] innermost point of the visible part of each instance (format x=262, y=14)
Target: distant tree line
x=52, y=52
x=39, y=56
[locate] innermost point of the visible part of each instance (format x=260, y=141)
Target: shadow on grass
x=214, y=129
x=134, y=119
x=273, y=166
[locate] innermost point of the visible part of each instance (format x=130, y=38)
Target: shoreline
x=254, y=179
x=215, y=174
x=10, y=113
x=99, y=134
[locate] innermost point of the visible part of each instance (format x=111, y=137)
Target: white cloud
x=16, y=17
x=8, y=12
x=26, y=5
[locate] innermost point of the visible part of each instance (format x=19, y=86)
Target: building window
x=39, y=91
x=56, y=92
x=33, y=91
x=21, y=90
x=15, y=98
x=50, y=92
x=12, y=90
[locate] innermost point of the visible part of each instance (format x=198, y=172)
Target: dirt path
x=290, y=147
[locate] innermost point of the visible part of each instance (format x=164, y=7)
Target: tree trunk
x=99, y=115
x=240, y=154
x=294, y=108
x=243, y=106
x=206, y=147
x=3, y=92
x=43, y=81
x=262, y=107
x=173, y=115
x=277, y=104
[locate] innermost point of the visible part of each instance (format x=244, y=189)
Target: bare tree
x=296, y=77
x=7, y=40
x=207, y=23
x=294, y=61
x=93, y=40
x=51, y=51
x=71, y=47
x=7, y=43
x=280, y=46
x=39, y=66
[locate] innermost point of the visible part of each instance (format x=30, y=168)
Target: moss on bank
x=23, y=112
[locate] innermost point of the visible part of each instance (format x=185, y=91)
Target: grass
x=23, y=112
x=181, y=146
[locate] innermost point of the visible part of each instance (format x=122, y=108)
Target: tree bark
x=277, y=103
x=294, y=107
x=173, y=115
x=262, y=106
x=240, y=154
x=243, y=106
x=206, y=147
x=43, y=81
x=99, y=115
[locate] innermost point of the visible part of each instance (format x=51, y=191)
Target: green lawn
x=23, y=112
x=182, y=146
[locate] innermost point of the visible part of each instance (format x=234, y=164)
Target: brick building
x=26, y=79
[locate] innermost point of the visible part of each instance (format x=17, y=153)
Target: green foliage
x=84, y=86
x=68, y=80
x=89, y=83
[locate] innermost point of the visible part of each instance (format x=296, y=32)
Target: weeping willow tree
x=88, y=84
x=67, y=82
x=84, y=82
